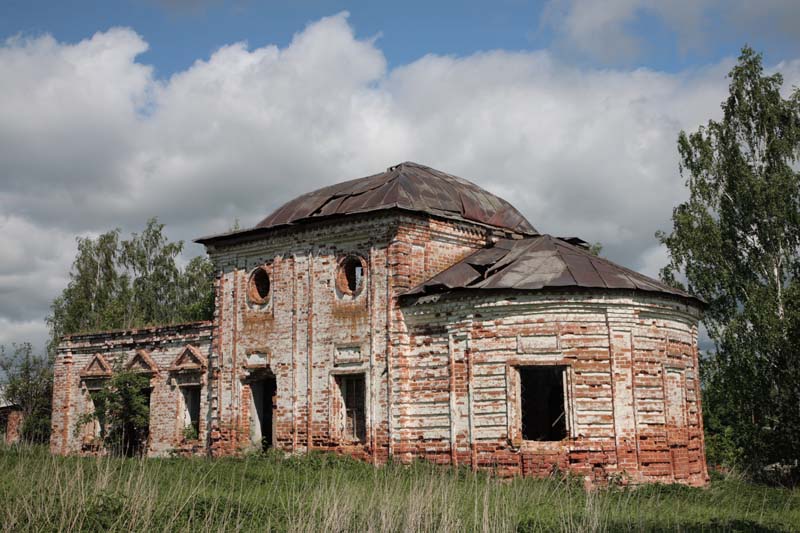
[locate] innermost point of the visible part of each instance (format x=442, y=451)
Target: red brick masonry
x=441, y=373
x=12, y=419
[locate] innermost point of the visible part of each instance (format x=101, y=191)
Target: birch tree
x=130, y=283
x=735, y=242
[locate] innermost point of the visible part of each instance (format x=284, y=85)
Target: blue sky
x=114, y=112
x=181, y=31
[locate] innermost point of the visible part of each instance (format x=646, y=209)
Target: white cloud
x=34, y=266
x=603, y=30
x=91, y=141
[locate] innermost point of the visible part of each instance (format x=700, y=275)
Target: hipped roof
x=541, y=262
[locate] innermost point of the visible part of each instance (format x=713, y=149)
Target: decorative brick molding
x=97, y=368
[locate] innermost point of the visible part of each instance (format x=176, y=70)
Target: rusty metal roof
x=408, y=186
x=540, y=262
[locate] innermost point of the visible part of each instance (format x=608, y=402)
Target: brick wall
x=77, y=370
x=441, y=374
x=11, y=424
x=308, y=332
x=632, y=388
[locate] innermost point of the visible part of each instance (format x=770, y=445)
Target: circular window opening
x=350, y=279
x=259, y=286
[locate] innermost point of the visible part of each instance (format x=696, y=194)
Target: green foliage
x=122, y=407
x=721, y=447
x=131, y=283
x=324, y=492
x=197, y=289
x=27, y=381
x=190, y=433
x=103, y=510
x=736, y=241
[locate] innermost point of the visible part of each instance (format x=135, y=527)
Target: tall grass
x=322, y=492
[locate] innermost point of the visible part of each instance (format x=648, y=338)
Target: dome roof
x=407, y=186
x=540, y=262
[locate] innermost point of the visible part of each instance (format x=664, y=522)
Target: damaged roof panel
x=407, y=186
x=584, y=273
x=540, y=262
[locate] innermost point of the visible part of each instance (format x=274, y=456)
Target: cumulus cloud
x=604, y=30
x=91, y=140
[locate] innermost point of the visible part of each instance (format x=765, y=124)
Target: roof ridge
x=571, y=272
x=583, y=253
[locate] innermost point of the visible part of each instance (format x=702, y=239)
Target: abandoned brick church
x=412, y=314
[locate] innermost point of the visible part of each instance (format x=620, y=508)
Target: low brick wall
x=83, y=362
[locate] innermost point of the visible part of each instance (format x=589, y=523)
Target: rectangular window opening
x=98, y=400
x=543, y=402
x=352, y=389
x=191, y=398
x=135, y=439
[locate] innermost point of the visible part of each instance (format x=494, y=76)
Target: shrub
x=122, y=406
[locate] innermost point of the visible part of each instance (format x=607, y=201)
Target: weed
x=326, y=492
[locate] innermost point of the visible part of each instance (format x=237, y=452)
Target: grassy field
x=321, y=492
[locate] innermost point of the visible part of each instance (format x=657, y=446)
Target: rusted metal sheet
x=540, y=262
x=3, y=402
x=407, y=186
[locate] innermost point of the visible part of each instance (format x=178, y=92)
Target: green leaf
x=735, y=241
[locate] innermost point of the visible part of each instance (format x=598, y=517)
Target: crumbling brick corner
x=11, y=419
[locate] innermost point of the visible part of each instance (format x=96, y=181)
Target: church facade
x=412, y=314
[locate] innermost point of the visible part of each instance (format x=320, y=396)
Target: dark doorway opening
x=264, y=392
x=542, y=403
x=352, y=388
